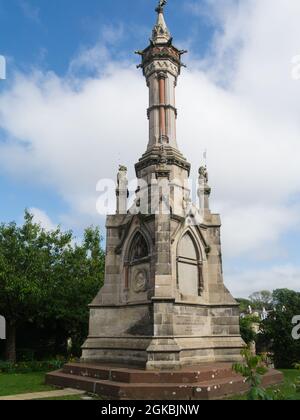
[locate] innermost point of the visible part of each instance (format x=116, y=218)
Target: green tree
x=77, y=277
x=260, y=300
x=247, y=331
x=244, y=304
x=45, y=278
x=277, y=328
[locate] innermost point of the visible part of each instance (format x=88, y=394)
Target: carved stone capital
x=160, y=66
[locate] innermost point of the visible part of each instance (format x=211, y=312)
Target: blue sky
x=49, y=34
x=70, y=71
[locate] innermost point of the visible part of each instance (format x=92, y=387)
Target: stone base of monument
x=203, y=382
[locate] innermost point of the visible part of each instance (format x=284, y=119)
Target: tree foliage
x=47, y=279
x=261, y=300
x=244, y=304
x=253, y=369
x=277, y=328
x=247, y=331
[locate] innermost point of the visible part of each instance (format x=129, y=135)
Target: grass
x=14, y=384
x=26, y=383
x=285, y=391
x=288, y=389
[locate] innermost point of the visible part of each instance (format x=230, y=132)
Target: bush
x=247, y=332
x=253, y=369
x=277, y=329
x=297, y=384
x=29, y=367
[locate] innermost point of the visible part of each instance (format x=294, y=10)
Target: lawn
x=288, y=389
x=285, y=391
x=13, y=384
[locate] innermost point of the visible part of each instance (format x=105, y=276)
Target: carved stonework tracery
x=139, y=248
x=158, y=66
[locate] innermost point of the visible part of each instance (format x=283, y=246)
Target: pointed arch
x=187, y=247
x=139, y=248
x=189, y=265
x=197, y=235
x=137, y=258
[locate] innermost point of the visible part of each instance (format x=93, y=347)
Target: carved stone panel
x=140, y=281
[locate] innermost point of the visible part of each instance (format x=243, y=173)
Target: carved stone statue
x=203, y=173
x=122, y=174
x=122, y=168
x=122, y=190
x=163, y=155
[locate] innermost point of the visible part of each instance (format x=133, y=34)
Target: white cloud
x=97, y=58
x=244, y=283
x=68, y=137
x=41, y=217
x=240, y=103
x=254, y=230
x=245, y=112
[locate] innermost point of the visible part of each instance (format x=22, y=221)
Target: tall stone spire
x=161, y=64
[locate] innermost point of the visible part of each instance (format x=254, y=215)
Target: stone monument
x=164, y=304
x=164, y=326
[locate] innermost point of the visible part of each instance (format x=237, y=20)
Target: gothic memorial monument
x=164, y=304
x=164, y=326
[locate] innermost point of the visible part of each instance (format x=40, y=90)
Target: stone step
x=62, y=380
x=142, y=391
x=197, y=374
x=205, y=390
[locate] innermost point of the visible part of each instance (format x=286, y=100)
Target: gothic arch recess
x=137, y=264
x=189, y=266
x=139, y=248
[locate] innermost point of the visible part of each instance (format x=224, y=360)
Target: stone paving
x=43, y=395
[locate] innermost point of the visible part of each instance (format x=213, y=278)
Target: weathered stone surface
x=164, y=303
x=202, y=382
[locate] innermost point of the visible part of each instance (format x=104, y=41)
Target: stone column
x=204, y=192
x=153, y=110
x=162, y=109
x=122, y=191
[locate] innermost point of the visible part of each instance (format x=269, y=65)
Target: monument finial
x=161, y=5
x=161, y=34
